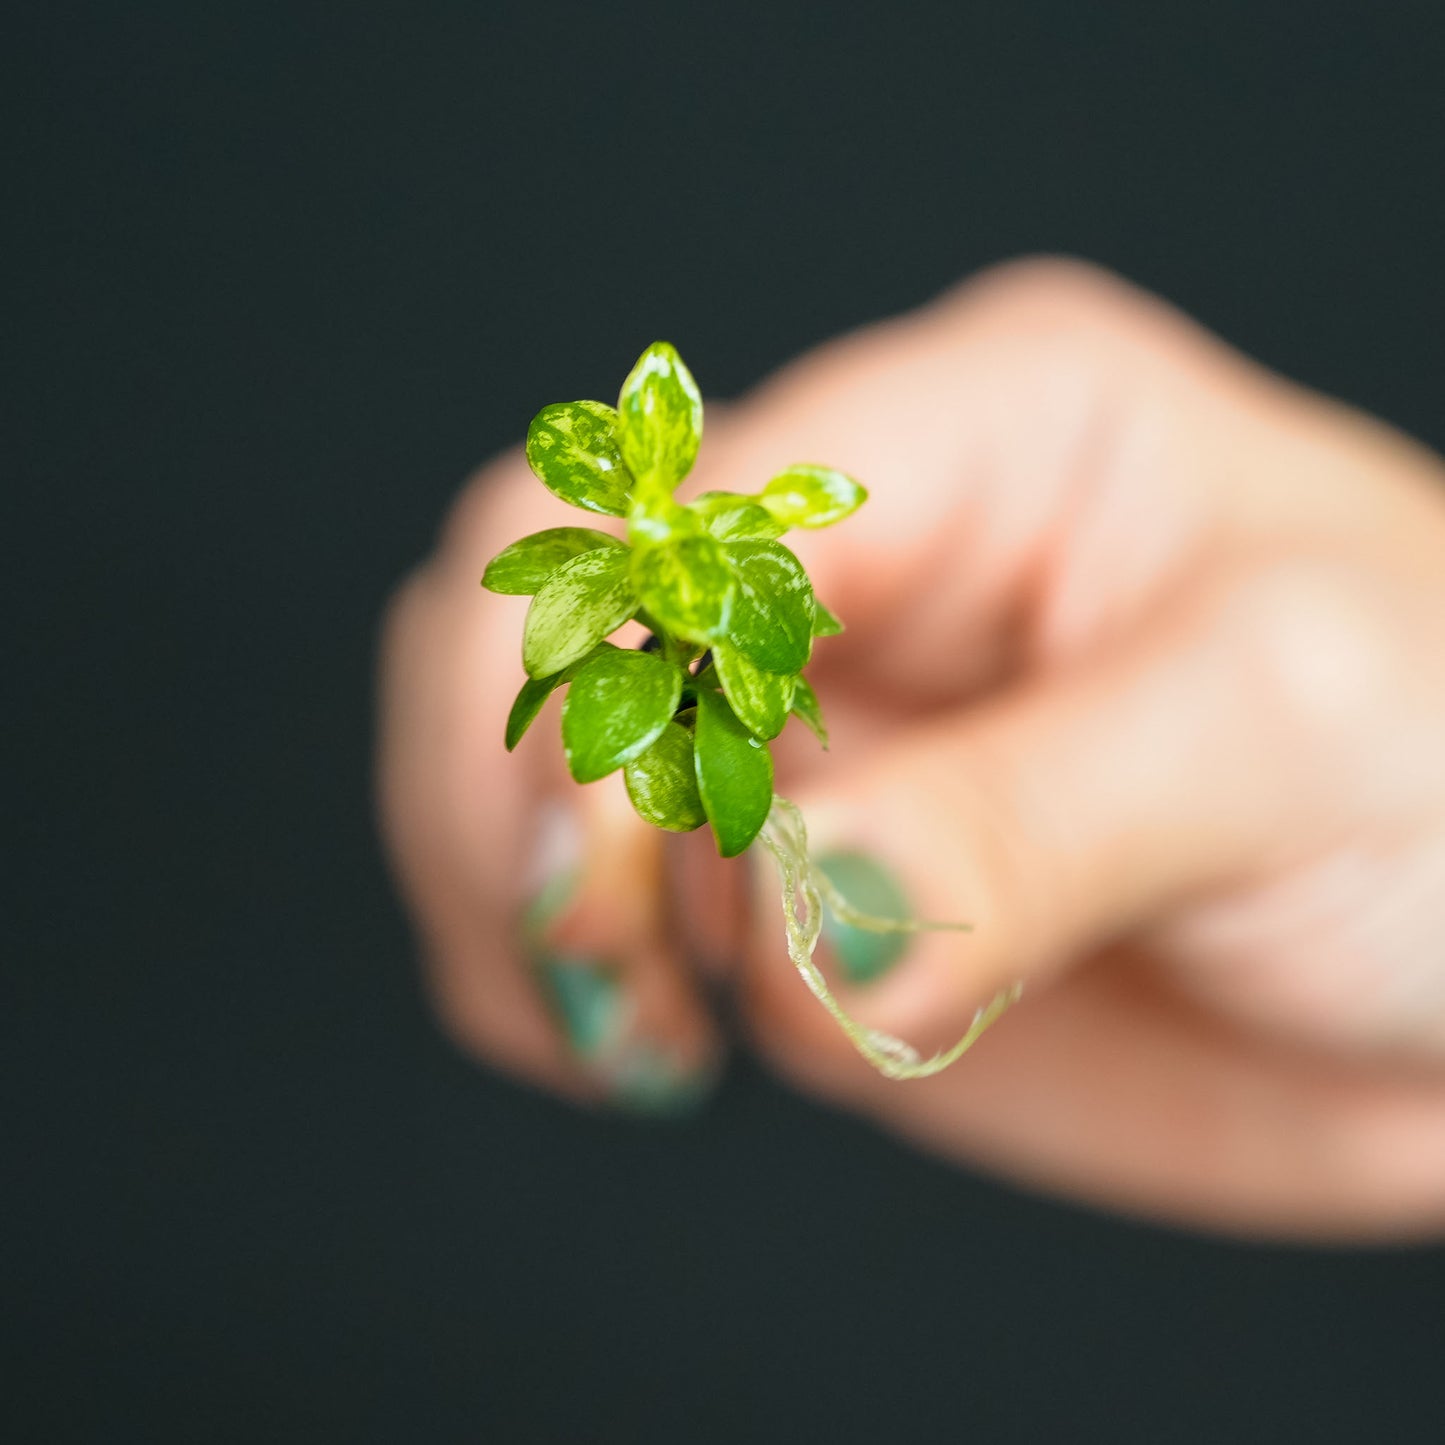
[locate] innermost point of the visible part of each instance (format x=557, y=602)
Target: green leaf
x=772, y=612
x=734, y=774
x=529, y=701
x=572, y=447
x=615, y=708
x=760, y=699
x=807, y=707
x=730, y=516
x=708, y=504
x=825, y=624
x=686, y=584
x=535, y=692
x=659, y=420
x=522, y=568
x=662, y=782
x=809, y=496
x=580, y=603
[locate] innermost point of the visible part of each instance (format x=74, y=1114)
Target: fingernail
x=586, y=994
x=586, y=999
x=870, y=887
x=589, y=1002
x=651, y=1083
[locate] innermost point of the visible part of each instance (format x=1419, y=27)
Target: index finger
x=1037, y=449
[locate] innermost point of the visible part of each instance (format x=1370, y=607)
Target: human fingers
x=535, y=901
x=1048, y=451
x=1226, y=742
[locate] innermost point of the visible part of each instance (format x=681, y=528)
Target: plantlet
x=732, y=620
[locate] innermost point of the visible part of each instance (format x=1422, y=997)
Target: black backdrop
x=276, y=277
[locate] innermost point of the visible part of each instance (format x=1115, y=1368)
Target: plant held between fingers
x=732, y=621
x=730, y=609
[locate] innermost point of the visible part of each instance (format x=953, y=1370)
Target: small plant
x=731, y=613
x=732, y=620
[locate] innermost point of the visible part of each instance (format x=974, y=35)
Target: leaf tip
x=724, y=851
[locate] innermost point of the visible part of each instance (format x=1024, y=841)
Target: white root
x=805, y=887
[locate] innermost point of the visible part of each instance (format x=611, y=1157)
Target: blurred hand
x=1144, y=676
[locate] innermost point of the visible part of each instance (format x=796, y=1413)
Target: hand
x=1144, y=676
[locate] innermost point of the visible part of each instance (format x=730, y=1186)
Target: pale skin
x=1144, y=677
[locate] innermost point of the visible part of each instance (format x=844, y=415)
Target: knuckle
x=1060, y=330
x=1054, y=300
x=1074, y=327
x=1315, y=638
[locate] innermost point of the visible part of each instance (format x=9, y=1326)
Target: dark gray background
x=276, y=277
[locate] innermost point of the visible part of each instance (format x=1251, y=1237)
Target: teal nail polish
x=586, y=1000
x=582, y=993
x=647, y=1082
x=869, y=886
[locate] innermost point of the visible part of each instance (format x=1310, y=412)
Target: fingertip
x=618, y=988
x=627, y=1023
x=494, y=1014
x=786, y=1021
x=881, y=855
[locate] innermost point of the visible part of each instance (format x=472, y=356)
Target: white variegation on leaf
x=572, y=447
x=582, y=602
x=686, y=584
x=812, y=496
x=731, y=517
x=659, y=421
x=662, y=782
x=523, y=568
x=760, y=699
x=772, y=612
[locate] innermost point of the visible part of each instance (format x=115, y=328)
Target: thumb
x=1057, y=816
